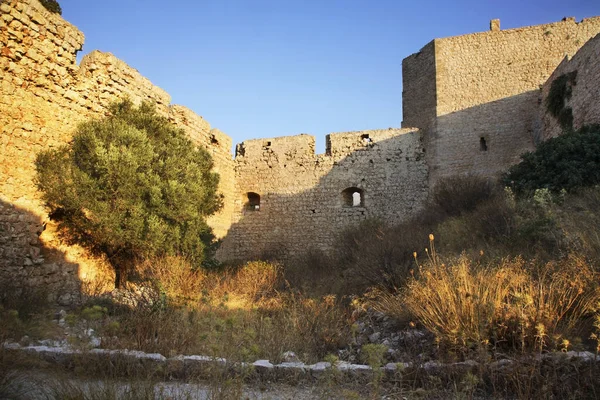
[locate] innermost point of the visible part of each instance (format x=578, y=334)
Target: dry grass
x=579, y=218
x=240, y=314
x=510, y=303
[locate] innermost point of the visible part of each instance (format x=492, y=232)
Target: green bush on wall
x=568, y=162
x=52, y=6
x=560, y=91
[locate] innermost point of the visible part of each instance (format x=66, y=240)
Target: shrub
x=312, y=271
x=132, y=185
x=52, y=6
x=579, y=218
x=492, y=222
x=373, y=253
x=256, y=280
x=455, y=195
x=566, y=162
x=174, y=277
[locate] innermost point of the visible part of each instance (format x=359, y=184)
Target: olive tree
x=132, y=185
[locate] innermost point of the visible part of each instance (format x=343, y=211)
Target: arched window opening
x=353, y=197
x=253, y=203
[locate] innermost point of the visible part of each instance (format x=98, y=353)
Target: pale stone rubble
x=194, y=365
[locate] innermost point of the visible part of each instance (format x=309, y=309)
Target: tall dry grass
x=507, y=304
x=242, y=314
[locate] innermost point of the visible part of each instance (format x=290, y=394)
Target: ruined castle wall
x=487, y=87
x=44, y=94
x=419, y=104
x=301, y=201
x=585, y=93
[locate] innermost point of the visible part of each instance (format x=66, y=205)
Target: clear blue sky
x=267, y=68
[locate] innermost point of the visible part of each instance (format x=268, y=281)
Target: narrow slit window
x=482, y=144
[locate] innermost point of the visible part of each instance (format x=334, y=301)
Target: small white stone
x=266, y=364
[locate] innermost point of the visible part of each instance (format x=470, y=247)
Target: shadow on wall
x=485, y=139
x=289, y=203
x=31, y=255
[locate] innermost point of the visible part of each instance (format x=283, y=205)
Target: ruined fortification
x=291, y=200
x=476, y=97
x=471, y=104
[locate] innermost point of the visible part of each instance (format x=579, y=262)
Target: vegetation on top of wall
x=561, y=91
x=132, y=185
x=567, y=162
x=52, y=6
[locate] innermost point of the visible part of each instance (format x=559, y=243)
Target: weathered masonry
x=471, y=104
x=290, y=200
x=476, y=97
x=44, y=94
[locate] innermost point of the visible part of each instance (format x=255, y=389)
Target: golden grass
x=239, y=314
x=509, y=303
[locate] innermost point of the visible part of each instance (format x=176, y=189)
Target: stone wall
x=474, y=101
x=487, y=93
x=419, y=104
x=44, y=94
x=585, y=94
x=302, y=199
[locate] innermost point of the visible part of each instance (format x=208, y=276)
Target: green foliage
x=94, y=313
x=132, y=185
x=52, y=6
x=560, y=91
x=373, y=354
x=567, y=162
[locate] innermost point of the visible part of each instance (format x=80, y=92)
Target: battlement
x=338, y=145
x=302, y=145
x=343, y=144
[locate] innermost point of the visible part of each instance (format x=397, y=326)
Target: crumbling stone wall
x=487, y=93
x=44, y=94
x=585, y=93
x=302, y=200
x=474, y=101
